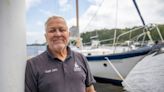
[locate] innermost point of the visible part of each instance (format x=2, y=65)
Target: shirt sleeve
x=30, y=78
x=89, y=77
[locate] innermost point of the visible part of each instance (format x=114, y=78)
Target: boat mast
x=139, y=13
x=79, y=42
x=142, y=20
x=77, y=15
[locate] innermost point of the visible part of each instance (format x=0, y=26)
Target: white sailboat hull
x=103, y=69
x=123, y=62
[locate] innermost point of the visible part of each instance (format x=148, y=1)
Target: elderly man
x=58, y=69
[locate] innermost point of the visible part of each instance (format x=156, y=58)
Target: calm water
x=35, y=50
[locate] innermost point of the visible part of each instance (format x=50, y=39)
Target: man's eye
x=51, y=30
x=56, y=29
x=62, y=30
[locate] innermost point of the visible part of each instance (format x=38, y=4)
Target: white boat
x=124, y=62
x=123, y=59
x=113, y=68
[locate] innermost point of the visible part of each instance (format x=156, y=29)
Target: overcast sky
x=93, y=14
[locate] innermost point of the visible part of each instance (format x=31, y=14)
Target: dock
x=101, y=87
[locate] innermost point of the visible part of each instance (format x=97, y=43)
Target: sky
x=93, y=14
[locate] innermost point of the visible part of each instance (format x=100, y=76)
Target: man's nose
x=58, y=33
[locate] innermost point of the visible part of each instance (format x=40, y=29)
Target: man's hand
x=90, y=89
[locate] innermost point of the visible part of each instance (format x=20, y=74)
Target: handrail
x=159, y=32
x=127, y=33
x=135, y=38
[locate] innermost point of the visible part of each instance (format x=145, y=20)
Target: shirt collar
x=69, y=54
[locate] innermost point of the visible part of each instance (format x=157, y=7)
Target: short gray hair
x=54, y=17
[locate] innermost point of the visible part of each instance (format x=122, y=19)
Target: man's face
x=57, y=34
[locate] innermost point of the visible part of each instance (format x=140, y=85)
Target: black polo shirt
x=46, y=73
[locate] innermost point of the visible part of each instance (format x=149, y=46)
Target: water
x=35, y=50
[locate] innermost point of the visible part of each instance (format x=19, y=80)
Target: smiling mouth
x=58, y=41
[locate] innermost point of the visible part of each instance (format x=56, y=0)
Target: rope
x=114, y=68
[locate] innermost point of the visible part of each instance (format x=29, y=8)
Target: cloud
x=152, y=11
x=126, y=15
x=40, y=23
x=35, y=32
x=34, y=37
x=95, y=2
x=64, y=5
x=31, y=3
x=47, y=13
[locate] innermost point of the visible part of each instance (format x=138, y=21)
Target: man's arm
x=89, y=77
x=90, y=89
x=30, y=80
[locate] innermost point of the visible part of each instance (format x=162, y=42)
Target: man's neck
x=61, y=54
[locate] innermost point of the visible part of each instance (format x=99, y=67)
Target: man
x=58, y=69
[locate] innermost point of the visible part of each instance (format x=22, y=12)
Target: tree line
x=103, y=34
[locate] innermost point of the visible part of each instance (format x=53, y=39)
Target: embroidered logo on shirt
x=77, y=67
x=51, y=70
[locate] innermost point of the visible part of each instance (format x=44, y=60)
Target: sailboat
x=123, y=62
x=113, y=68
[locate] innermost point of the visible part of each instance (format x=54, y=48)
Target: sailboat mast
x=79, y=43
x=143, y=22
x=135, y=4
x=77, y=14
